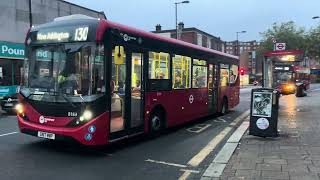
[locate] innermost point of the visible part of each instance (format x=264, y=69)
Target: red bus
x=97, y=82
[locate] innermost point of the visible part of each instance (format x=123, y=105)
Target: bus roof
x=105, y=24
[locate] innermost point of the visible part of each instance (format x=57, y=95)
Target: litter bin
x=264, y=112
x=300, y=90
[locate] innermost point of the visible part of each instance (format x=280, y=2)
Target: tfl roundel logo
x=41, y=119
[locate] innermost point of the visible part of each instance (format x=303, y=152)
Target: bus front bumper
x=92, y=133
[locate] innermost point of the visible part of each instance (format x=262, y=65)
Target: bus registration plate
x=46, y=135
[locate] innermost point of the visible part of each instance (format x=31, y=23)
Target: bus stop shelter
x=272, y=59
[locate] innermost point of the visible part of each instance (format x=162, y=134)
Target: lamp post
x=176, y=4
x=237, y=46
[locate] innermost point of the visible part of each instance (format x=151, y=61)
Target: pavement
x=294, y=155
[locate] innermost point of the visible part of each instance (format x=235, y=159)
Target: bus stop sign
x=280, y=46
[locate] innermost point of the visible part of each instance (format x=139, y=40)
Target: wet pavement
x=295, y=154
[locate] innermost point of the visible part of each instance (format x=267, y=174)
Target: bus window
x=199, y=77
x=224, y=75
x=159, y=65
x=233, y=74
x=181, y=66
x=98, y=85
x=117, y=86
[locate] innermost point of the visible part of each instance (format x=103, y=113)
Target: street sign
x=280, y=46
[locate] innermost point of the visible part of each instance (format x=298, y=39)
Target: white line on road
x=166, y=163
x=318, y=89
x=8, y=134
x=198, y=128
x=219, y=163
x=199, y=157
x=187, y=173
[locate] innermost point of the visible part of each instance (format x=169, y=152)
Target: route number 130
x=81, y=34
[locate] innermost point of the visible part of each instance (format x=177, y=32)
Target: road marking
x=8, y=134
x=219, y=163
x=219, y=119
x=187, y=173
x=166, y=163
x=189, y=170
x=198, y=128
x=199, y=157
x=318, y=89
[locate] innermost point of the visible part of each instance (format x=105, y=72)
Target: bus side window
x=159, y=65
x=181, y=72
x=224, y=75
x=233, y=74
x=199, y=76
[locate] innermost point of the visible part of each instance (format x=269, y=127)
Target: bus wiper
x=65, y=98
x=33, y=94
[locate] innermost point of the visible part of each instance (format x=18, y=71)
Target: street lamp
x=237, y=46
x=176, y=4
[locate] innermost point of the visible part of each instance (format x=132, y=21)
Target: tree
x=313, y=43
x=288, y=32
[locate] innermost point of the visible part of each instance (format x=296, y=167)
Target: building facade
x=248, y=58
x=192, y=35
x=16, y=18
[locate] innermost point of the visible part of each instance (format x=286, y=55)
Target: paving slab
x=295, y=154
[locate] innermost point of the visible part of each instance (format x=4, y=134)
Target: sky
x=221, y=18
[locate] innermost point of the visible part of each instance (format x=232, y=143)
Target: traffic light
x=241, y=71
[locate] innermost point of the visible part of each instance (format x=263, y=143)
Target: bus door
x=127, y=93
x=212, y=88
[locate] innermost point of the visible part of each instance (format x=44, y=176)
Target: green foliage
x=313, y=43
x=294, y=37
x=288, y=32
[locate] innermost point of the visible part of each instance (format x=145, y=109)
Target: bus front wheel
x=156, y=123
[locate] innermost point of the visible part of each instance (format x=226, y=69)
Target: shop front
x=11, y=67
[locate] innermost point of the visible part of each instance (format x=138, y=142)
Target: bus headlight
x=19, y=108
x=86, y=116
x=290, y=87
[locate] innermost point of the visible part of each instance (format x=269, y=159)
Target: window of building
x=224, y=75
x=208, y=43
x=159, y=65
x=199, y=39
x=181, y=72
x=199, y=77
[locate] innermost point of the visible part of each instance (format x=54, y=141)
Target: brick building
x=194, y=36
x=248, y=58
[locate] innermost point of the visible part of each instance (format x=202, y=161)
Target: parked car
x=9, y=102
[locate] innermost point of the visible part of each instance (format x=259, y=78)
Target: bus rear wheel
x=156, y=124
x=225, y=107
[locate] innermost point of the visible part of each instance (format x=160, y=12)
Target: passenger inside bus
x=121, y=88
x=68, y=80
x=117, y=120
x=178, y=81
